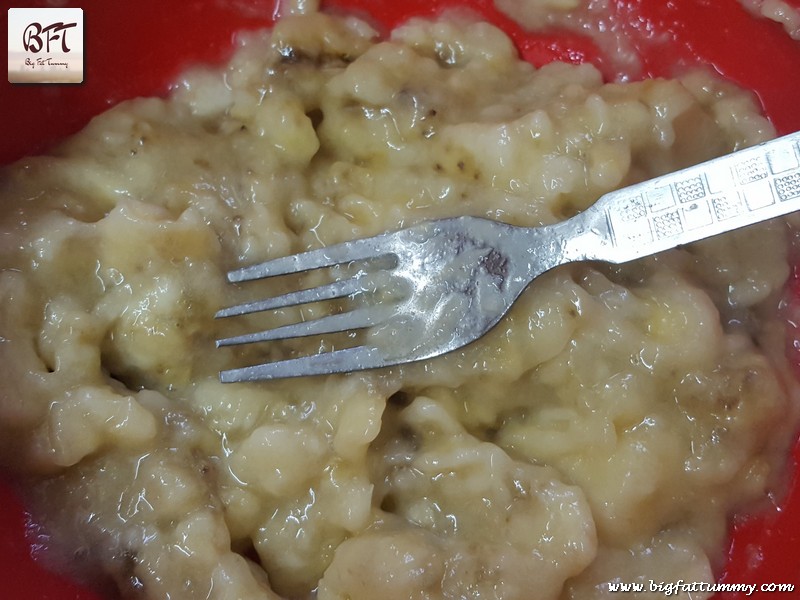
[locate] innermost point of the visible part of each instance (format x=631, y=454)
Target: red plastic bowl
x=139, y=48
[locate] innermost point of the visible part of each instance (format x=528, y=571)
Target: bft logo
x=32, y=36
x=45, y=45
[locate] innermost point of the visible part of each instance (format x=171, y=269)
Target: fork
x=450, y=281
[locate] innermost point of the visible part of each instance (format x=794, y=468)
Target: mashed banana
x=603, y=432
x=779, y=11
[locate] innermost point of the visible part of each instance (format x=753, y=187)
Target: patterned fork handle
x=726, y=193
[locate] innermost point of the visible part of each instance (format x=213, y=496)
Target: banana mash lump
x=603, y=432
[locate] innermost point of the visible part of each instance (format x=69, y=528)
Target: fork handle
x=720, y=195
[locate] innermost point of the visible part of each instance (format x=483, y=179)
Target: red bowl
x=138, y=48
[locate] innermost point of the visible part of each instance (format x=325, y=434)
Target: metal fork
x=452, y=280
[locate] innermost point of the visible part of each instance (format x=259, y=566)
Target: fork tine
x=336, y=289
x=355, y=319
x=338, y=361
x=313, y=259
